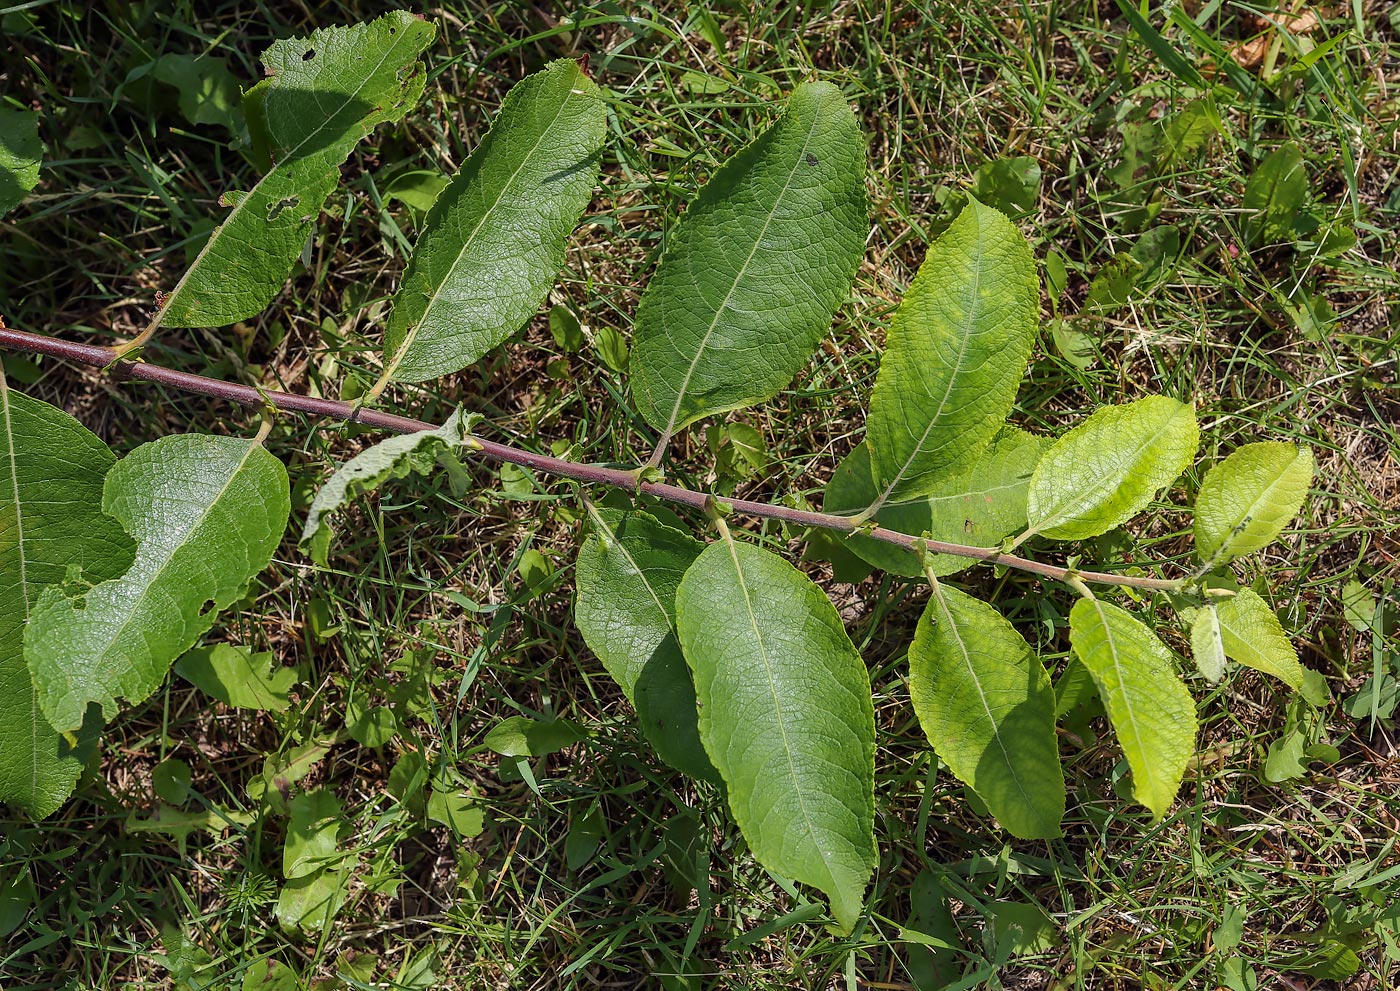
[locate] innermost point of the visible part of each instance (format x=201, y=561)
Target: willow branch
x=104, y=357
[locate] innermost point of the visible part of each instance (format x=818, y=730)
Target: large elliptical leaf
x=978, y=504
x=51, y=521
x=322, y=95
x=957, y=349
x=20, y=152
x=207, y=513
x=627, y=574
x=494, y=239
x=1108, y=468
x=755, y=269
x=1152, y=713
x=786, y=716
x=397, y=457
x=1246, y=500
x=1252, y=635
x=988, y=709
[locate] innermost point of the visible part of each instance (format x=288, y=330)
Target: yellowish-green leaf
x=1108, y=468
x=1207, y=648
x=1253, y=636
x=988, y=709
x=1246, y=500
x=1151, y=711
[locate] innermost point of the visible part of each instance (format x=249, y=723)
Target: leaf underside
x=322, y=95
x=494, y=239
x=957, y=349
x=988, y=710
x=206, y=513
x=786, y=716
x=1151, y=711
x=51, y=521
x=755, y=269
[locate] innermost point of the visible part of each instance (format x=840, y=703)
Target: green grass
x=603, y=867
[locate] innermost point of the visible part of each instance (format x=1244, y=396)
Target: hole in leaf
x=308, y=55
x=275, y=210
x=811, y=159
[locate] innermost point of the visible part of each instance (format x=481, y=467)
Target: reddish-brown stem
x=89, y=354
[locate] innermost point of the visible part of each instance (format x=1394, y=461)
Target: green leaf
x=370, y=726
x=1151, y=712
x=281, y=771
x=1286, y=758
x=786, y=716
x=20, y=154
x=397, y=457
x=207, y=513
x=979, y=504
x=321, y=96
x=1358, y=606
x=1252, y=635
x=239, y=677
x=316, y=818
x=51, y=522
x=1275, y=196
x=418, y=189
x=987, y=707
x=957, y=349
x=1010, y=185
x=170, y=780
x=521, y=736
x=1113, y=285
x=627, y=573
x=205, y=88
x=1185, y=134
x=1246, y=500
x=494, y=239
x=310, y=903
x=1207, y=646
x=1108, y=468
x=755, y=269
x=457, y=811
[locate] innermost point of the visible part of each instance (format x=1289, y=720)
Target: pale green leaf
x=988, y=709
x=207, y=513
x=521, y=736
x=20, y=153
x=1151, y=711
x=627, y=573
x=494, y=239
x=238, y=676
x=321, y=96
x=396, y=457
x=1253, y=636
x=1246, y=500
x=315, y=823
x=309, y=903
x=978, y=504
x=786, y=716
x=460, y=812
x=755, y=269
x=1108, y=468
x=957, y=349
x=1275, y=196
x=51, y=522
x=1207, y=647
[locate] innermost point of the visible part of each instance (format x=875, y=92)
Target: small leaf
x=1246, y=500
x=207, y=513
x=239, y=677
x=20, y=153
x=1075, y=346
x=281, y=771
x=1114, y=284
x=1286, y=760
x=1108, y=468
x=397, y=457
x=627, y=573
x=458, y=811
x=979, y=504
x=51, y=523
x=1186, y=133
x=370, y=726
x=311, y=902
x=321, y=96
x=1252, y=635
x=1021, y=928
x=316, y=819
x=521, y=736
x=1275, y=196
x=206, y=90
x=1358, y=606
x=170, y=780
x=1011, y=185
x=755, y=269
x=494, y=239
x=957, y=349
x=1152, y=714
x=418, y=189
x=1207, y=648
x=565, y=328
x=987, y=707
x=612, y=348
x=786, y=716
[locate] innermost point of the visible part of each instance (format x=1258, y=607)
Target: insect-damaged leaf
x=957, y=348
x=321, y=96
x=786, y=716
x=207, y=513
x=627, y=574
x=755, y=269
x=987, y=707
x=494, y=239
x=51, y=523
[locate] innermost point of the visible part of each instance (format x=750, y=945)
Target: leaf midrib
x=1233, y=534
x=1148, y=765
x=738, y=277
x=289, y=159
x=34, y=711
